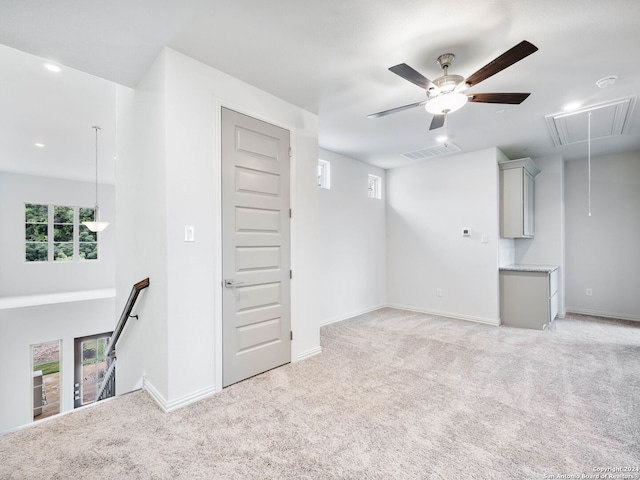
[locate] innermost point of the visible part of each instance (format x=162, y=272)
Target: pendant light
x=96, y=225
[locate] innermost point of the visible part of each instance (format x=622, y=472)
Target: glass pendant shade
x=96, y=225
x=446, y=103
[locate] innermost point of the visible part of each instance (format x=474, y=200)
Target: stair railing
x=108, y=386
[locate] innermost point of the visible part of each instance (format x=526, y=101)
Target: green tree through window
x=56, y=233
x=36, y=232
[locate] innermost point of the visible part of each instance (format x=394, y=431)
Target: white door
x=256, y=319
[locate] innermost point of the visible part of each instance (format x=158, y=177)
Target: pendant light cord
x=96, y=204
x=589, y=157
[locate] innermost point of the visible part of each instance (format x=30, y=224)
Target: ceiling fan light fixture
x=446, y=103
x=448, y=83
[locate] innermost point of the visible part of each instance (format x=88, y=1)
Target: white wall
x=547, y=247
x=23, y=327
x=428, y=204
x=602, y=249
x=141, y=240
x=351, y=241
x=177, y=150
x=19, y=278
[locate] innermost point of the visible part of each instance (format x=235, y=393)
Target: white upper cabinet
x=517, y=198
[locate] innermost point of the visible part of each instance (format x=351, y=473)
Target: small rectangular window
x=63, y=233
x=36, y=219
x=375, y=187
x=324, y=174
x=88, y=240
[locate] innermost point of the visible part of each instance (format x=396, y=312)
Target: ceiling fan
x=445, y=93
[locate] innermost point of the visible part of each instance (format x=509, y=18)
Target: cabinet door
x=511, y=200
x=529, y=204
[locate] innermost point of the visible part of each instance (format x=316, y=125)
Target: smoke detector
x=606, y=81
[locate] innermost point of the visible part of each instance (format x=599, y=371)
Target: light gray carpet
x=394, y=395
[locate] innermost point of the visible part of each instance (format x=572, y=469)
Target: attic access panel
x=607, y=120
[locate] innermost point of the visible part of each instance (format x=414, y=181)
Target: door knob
x=231, y=283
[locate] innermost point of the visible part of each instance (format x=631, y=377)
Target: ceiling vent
x=607, y=120
x=431, y=152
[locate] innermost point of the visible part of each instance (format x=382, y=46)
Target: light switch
x=484, y=238
x=189, y=233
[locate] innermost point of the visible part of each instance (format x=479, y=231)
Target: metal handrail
x=126, y=314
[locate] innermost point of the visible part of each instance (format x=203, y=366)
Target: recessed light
x=52, y=67
x=500, y=112
x=441, y=138
x=39, y=145
x=571, y=106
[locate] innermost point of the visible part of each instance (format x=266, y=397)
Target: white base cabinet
x=528, y=299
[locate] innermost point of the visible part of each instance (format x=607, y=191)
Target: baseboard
x=596, y=313
x=340, y=318
x=487, y=321
x=167, y=406
x=308, y=354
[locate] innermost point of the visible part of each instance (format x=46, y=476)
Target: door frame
x=217, y=240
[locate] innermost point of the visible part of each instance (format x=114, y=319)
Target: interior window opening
x=46, y=379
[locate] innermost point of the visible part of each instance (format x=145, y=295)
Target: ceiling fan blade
x=508, y=58
x=396, y=110
x=437, y=122
x=512, y=98
x=408, y=73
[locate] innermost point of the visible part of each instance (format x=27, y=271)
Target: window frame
x=374, y=191
x=51, y=241
x=324, y=174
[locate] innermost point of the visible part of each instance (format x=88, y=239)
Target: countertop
x=530, y=268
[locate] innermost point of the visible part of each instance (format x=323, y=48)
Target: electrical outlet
x=588, y=292
x=438, y=292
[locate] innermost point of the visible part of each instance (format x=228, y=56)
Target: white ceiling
x=330, y=57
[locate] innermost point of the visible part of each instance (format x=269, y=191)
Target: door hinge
x=290, y=152
x=291, y=332
x=290, y=274
x=290, y=213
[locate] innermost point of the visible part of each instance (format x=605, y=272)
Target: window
x=45, y=361
x=55, y=233
x=375, y=187
x=324, y=174
x=37, y=233
x=91, y=366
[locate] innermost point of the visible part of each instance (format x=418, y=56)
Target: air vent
x=607, y=120
x=435, y=151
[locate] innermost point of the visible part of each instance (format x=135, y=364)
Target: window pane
x=63, y=251
x=36, y=232
x=63, y=233
x=88, y=251
x=86, y=215
x=89, y=351
x=36, y=252
x=87, y=235
x=62, y=214
x=36, y=213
